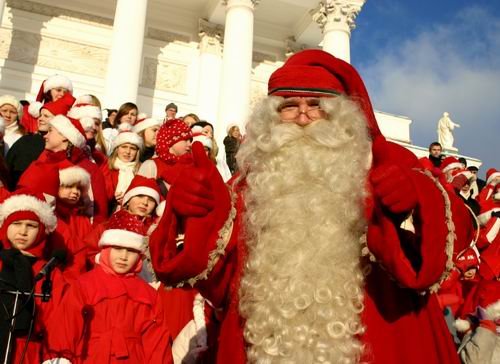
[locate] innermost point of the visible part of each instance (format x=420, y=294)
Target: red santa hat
x=74, y=175
x=467, y=259
x=203, y=139
x=487, y=207
x=28, y=205
x=11, y=100
x=58, y=107
x=85, y=113
x=450, y=163
x=491, y=174
x=463, y=172
x=315, y=73
x=141, y=185
x=54, y=81
x=143, y=122
x=170, y=133
x=124, y=230
x=70, y=128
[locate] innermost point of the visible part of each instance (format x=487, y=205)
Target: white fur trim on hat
x=486, y=216
x=87, y=123
x=123, y=238
x=451, y=166
x=125, y=127
x=79, y=112
x=160, y=209
x=196, y=129
x=74, y=175
x=56, y=81
x=42, y=209
x=83, y=99
x=492, y=177
x=462, y=325
x=141, y=190
x=34, y=109
x=147, y=123
x=493, y=310
x=11, y=100
x=64, y=126
x=127, y=137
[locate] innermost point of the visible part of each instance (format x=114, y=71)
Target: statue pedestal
x=450, y=150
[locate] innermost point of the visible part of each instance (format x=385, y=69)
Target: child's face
x=141, y=205
x=22, y=233
x=181, y=147
x=123, y=259
x=70, y=194
x=127, y=152
x=55, y=141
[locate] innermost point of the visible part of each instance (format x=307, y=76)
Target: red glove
x=391, y=183
x=191, y=193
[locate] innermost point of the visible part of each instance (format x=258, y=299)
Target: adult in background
x=232, y=143
x=304, y=258
x=170, y=111
x=11, y=111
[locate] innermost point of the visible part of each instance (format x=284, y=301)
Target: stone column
x=210, y=72
x=236, y=64
x=125, y=54
x=336, y=20
x=2, y=6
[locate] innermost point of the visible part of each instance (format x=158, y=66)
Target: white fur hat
x=71, y=129
x=56, y=81
x=28, y=202
x=34, y=109
x=11, y=100
x=74, y=175
x=143, y=122
x=128, y=137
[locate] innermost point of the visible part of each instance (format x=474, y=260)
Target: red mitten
x=459, y=181
x=391, y=182
x=191, y=193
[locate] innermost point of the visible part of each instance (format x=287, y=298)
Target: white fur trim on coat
x=42, y=209
x=462, y=325
x=123, y=238
x=128, y=137
x=64, y=126
x=141, y=190
x=34, y=109
x=493, y=310
x=56, y=81
x=74, y=175
x=147, y=123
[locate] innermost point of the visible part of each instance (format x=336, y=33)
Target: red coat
x=402, y=325
x=110, y=319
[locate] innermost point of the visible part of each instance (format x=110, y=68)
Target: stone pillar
x=210, y=62
x=234, y=100
x=125, y=54
x=336, y=20
x=2, y=6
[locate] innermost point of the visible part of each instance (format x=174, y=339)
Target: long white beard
x=302, y=289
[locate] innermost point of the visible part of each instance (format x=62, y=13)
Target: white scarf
x=126, y=174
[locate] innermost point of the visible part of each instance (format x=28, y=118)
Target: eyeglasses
x=292, y=109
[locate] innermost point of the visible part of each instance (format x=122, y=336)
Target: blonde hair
x=302, y=288
x=114, y=156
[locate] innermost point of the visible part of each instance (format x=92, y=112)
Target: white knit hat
x=11, y=100
x=70, y=129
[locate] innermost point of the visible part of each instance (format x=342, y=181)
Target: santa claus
x=305, y=258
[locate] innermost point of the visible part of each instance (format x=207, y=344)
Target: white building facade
x=210, y=57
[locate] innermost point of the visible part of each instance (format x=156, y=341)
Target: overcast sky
x=422, y=58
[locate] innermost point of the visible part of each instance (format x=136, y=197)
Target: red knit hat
x=170, y=133
x=54, y=82
x=71, y=129
x=124, y=230
x=61, y=106
x=450, y=163
x=491, y=174
x=141, y=185
x=467, y=259
x=316, y=73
